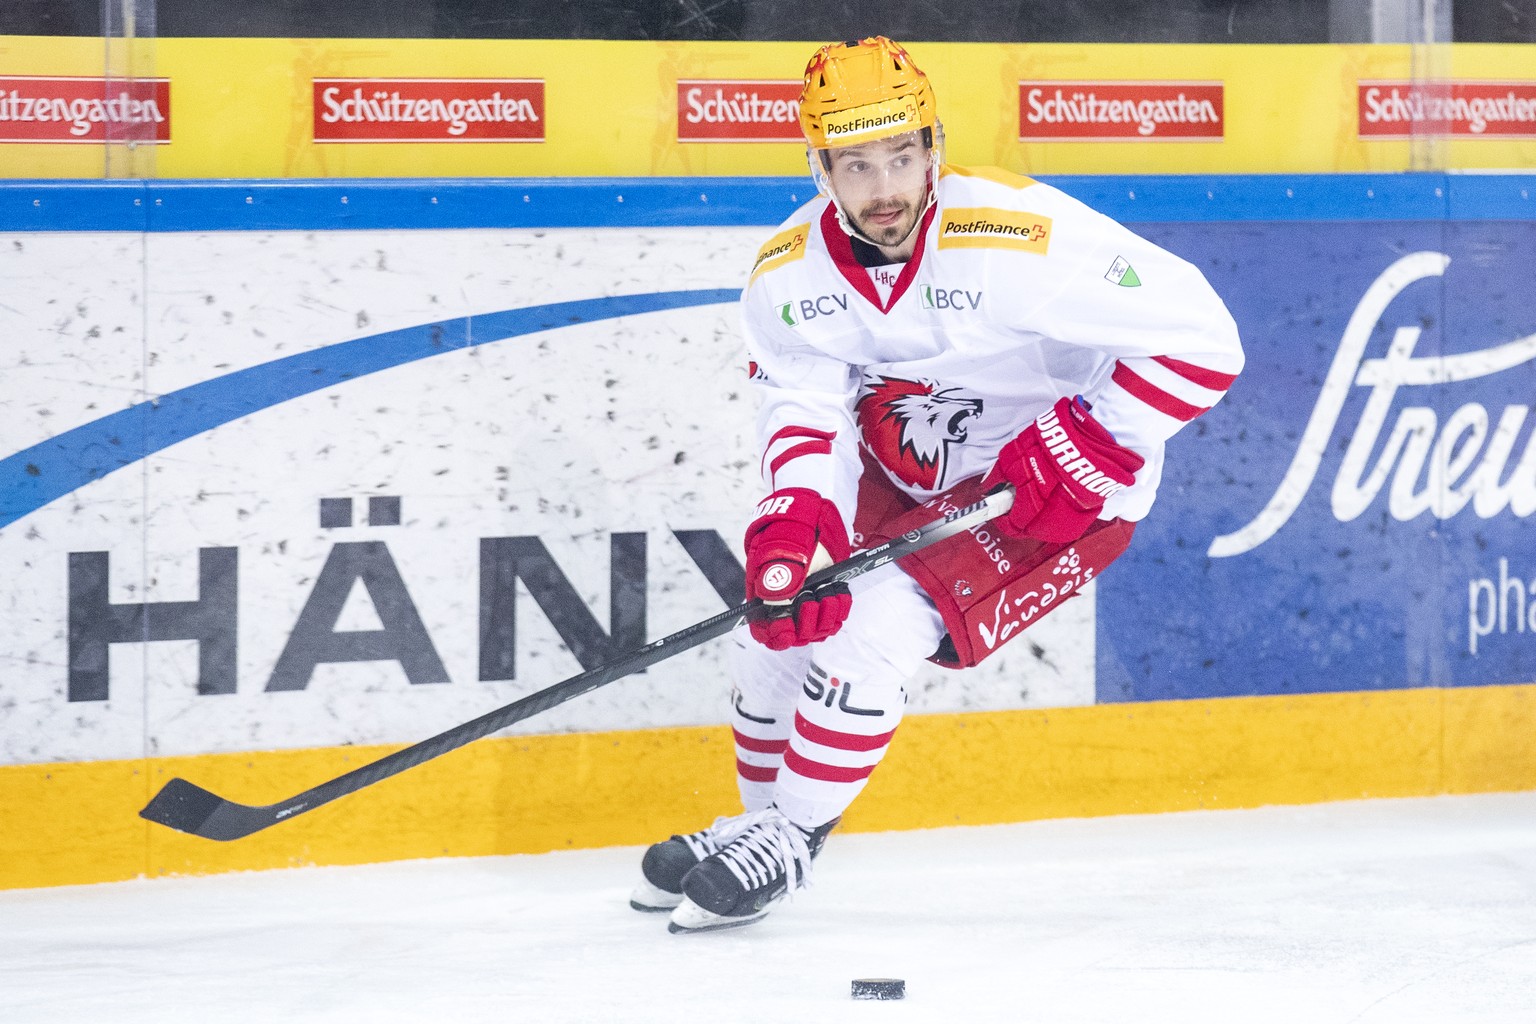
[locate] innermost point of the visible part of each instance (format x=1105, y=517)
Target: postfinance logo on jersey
x=785, y=247
x=987, y=227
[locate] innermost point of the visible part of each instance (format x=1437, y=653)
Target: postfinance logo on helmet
x=863, y=92
x=873, y=121
x=843, y=79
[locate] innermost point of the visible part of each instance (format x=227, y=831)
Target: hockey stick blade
x=189, y=808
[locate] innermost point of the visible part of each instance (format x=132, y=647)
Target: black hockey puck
x=879, y=988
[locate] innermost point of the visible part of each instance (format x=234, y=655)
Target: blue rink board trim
x=383, y=204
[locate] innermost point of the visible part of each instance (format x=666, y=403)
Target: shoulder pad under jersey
x=995, y=175
x=985, y=208
x=783, y=248
x=990, y=209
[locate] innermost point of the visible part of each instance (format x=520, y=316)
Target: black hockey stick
x=189, y=808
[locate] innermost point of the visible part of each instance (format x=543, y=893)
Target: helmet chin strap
x=819, y=174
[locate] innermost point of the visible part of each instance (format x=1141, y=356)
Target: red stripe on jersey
x=755, y=773
x=839, y=740
x=1153, y=395
x=784, y=433
x=804, y=766
x=1197, y=374
x=758, y=746
x=803, y=448
x=797, y=431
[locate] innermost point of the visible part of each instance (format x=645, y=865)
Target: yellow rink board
x=74, y=823
x=241, y=108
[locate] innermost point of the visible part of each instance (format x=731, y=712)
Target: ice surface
x=1397, y=911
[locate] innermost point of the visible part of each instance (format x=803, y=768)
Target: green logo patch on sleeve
x=1122, y=273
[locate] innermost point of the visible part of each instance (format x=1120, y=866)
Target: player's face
x=882, y=185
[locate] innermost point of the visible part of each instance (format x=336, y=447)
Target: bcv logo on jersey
x=949, y=298
x=800, y=310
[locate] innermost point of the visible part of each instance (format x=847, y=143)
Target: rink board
x=362, y=461
x=352, y=108
x=73, y=823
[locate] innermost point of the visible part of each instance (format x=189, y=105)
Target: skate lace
x=712, y=840
x=766, y=845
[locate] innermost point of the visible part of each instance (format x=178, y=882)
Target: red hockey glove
x=795, y=527
x=1063, y=466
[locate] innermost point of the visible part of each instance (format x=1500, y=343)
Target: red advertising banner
x=1485, y=110
x=428, y=109
x=91, y=110
x=710, y=110
x=1102, y=111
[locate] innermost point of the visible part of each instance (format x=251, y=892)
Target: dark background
x=1097, y=21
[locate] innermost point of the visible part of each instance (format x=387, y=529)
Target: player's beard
x=890, y=234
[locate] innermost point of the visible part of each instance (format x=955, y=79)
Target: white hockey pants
x=811, y=723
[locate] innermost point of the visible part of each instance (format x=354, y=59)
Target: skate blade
x=648, y=899
x=689, y=918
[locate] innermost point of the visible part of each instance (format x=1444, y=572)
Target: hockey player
x=921, y=333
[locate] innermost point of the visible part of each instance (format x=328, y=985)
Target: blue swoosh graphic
x=35, y=476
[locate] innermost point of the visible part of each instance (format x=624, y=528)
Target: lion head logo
x=909, y=425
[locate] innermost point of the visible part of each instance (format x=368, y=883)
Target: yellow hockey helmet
x=862, y=91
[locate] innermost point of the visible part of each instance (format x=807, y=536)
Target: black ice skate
x=665, y=863
x=767, y=859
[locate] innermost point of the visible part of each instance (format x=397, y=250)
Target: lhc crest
x=1015, y=611
x=909, y=426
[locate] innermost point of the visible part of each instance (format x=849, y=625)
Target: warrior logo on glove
x=777, y=578
x=1065, y=465
x=1072, y=461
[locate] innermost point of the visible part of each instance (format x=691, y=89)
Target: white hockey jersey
x=1016, y=295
